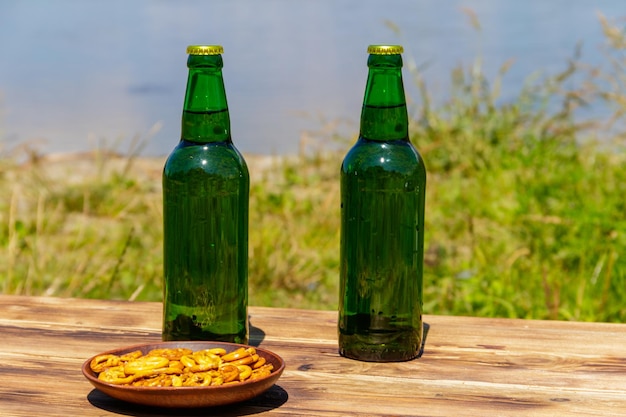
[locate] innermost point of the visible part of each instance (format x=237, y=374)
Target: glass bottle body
x=205, y=227
x=205, y=210
x=383, y=182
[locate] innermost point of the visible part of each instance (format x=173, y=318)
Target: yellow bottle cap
x=385, y=49
x=205, y=50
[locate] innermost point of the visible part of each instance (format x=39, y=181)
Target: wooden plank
x=471, y=366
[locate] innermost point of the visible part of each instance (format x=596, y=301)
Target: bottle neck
x=384, y=115
x=205, y=110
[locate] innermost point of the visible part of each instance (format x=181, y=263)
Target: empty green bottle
x=205, y=209
x=383, y=182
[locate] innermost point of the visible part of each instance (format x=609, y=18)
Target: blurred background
x=518, y=108
x=75, y=74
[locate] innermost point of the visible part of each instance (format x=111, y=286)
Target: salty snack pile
x=181, y=367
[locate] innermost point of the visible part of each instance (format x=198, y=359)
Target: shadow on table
x=270, y=399
x=256, y=335
x=426, y=329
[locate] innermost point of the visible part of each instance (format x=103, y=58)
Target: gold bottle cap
x=205, y=50
x=385, y=49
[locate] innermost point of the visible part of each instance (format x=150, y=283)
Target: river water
x=75, y=74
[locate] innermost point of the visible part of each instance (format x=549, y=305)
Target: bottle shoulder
x=215, y=158
x=399, y=156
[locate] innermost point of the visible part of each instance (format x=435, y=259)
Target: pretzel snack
x=181, y=367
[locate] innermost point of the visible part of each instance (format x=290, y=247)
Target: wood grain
x=470, y=366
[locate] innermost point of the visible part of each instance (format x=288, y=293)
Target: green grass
x=525, y=208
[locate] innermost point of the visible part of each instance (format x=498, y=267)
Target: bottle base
x=398, y=350
x=379, y=339
x=378, y=354
x=184, y=328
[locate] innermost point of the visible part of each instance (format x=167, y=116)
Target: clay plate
x=188, y=397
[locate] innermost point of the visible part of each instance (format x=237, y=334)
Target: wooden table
x=470, y=366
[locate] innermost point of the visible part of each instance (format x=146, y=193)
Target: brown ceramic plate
x=188, y=397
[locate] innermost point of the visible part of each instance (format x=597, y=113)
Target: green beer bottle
x=205, y=211
x=383, y=182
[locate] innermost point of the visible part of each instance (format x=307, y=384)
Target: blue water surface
x=75, y=73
